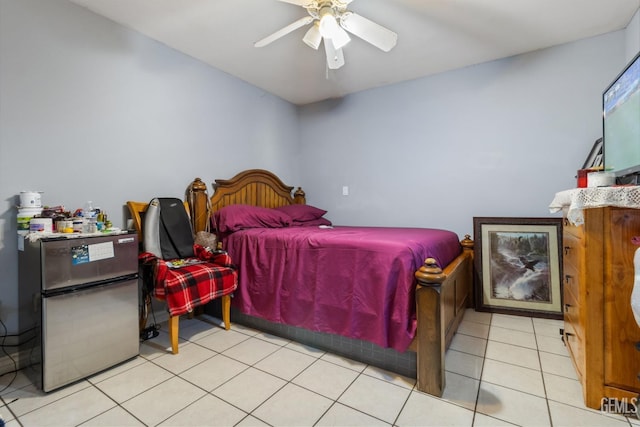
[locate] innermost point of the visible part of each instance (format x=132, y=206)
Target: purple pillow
x=236, y=217
x=311, y=223
x=302, y=213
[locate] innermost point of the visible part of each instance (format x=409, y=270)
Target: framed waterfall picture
x=518, y=265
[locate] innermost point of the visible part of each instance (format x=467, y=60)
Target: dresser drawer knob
x=566, y=307
x=567, y=249
x=567, y=278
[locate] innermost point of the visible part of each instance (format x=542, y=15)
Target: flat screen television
x=621, y=124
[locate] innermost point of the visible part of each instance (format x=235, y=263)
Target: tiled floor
x=501, y=371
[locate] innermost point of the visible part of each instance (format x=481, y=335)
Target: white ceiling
x=433, y=36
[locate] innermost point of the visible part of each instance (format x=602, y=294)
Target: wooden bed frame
x=442, y=295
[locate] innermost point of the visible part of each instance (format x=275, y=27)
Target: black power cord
x=15, y=366
x=150, y=331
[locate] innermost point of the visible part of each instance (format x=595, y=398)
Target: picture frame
x=596, y=156
x=518, y=263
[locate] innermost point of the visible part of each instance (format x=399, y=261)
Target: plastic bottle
x=88, y=211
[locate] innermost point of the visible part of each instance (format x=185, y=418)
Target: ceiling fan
x=330, y=19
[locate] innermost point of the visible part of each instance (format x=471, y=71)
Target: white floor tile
x=512, y=406
x=190, y=354
x=113, y=417
x=344, y=362
x=305, y=349
x=477, y=316
x=251, y=351
x=366, y=394
x=341, y=415
x=244, y=329
x=469, y=344
x=76, y=408
x=293, y=406
x=566, y=415
x=326, y=378
x=206, y=411
x=518, y=323
x=463, y=364
x=213, y=372
x=285, y=363
x=482, y=420
x=516, y=355
x=390, y=377
x=557, y=365
x=424, y=410
x=552, y=345
x=511, y=336
x=548, y=327
x=163, y=400
x=126, y=385
x=159, y=345
x=461, y=390
x=27, y=399
x=273, y=339
x=249, y=389
x=251, y=421
x=478, y=330
x=222, y=340
x=118, y=369
x=194, y=329
x=563, y=390
x=512, y=376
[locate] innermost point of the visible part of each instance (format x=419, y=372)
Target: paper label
x=100, y=251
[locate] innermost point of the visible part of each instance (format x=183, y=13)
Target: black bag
x=167, y=229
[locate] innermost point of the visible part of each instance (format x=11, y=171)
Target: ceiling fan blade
x=335, y=57
x=284, y=31
x=302, y=3
x=369, y=31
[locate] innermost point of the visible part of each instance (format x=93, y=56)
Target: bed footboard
x=441, y=299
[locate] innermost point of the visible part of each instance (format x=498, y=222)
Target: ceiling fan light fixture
x=328, y=22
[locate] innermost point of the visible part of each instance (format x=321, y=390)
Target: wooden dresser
x=599, y=328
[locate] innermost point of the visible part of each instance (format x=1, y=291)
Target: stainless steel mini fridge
x=84, y=303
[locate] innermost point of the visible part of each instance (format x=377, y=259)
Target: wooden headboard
x=257, y=187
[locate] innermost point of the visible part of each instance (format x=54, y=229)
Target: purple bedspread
x=356, y=282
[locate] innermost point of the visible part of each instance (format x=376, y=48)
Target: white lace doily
x=576, y=200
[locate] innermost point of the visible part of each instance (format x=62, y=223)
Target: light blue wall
x=495, y=139
x=90, y=110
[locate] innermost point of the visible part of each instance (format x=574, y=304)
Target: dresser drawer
x=574, y=230
x=575, y=345
x=573, y=262
x=571, y=312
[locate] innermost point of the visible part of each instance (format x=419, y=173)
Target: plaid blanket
x=191, y=285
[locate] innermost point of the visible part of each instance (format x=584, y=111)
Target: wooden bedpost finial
x=198, y=185
x=430, y=274
x=299, y=197
x=467, y=243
